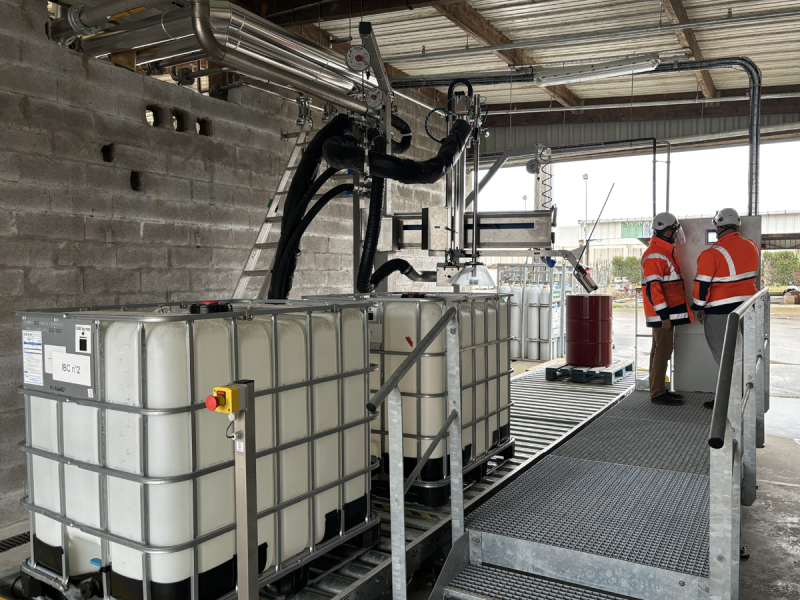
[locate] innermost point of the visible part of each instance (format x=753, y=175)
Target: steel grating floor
x=633, y=485
x=499, y=584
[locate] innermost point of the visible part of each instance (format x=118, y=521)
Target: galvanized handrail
x=722, y=396
x=408, y=362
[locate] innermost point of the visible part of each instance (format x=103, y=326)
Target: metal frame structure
x=737, y=429
x=551, y=274
x=168, y=312
x=418, y=439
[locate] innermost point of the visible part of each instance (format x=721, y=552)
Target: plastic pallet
x=609, y=375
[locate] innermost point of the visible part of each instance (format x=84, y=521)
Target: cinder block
x=51, y=171
x=186, y=212
x=109, y=281
x=134, y=158
x=190, y=257
x=229, y=258
x=13, y=280
x=9, y=166
x=10, y=509
x=10, y=49
x=230, y=174
x=327, y=262
x=85, y=254
x=164, y=281
x=110, y=178
x=191, y=168
x=19, y=138
x=26, y=253
x=136, y=205
x=23, y=196
x=137, y=257
x=13, y=108
x=81, y=201
x=205, y=281
x=42, y=281
x=341, y=245
x=112, y=231
x=149, y=298
x=314, y=243
x=166, y=187
x=166, y=233
x=50, y=225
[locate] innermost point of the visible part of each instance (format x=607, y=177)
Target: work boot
x=667, y=400
x=709, y=404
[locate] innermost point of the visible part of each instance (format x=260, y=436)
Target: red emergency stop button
x=213, y=402
x=359, y=57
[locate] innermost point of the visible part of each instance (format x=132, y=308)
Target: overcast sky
x=701, y=181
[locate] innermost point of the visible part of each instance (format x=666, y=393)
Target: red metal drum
x=588, y=332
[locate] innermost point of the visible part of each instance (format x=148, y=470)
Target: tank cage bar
x=250, y=309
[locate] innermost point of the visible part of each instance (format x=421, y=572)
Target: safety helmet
x=664, y=221
x=727, y=217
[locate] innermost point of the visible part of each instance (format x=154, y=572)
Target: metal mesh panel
x=654, y=444
x=647, y=516
x=638, y=406
x=509, y=585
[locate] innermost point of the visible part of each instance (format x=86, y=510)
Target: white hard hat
x=665, y=220
x=727, y=217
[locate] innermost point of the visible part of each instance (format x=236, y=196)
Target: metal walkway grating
x=499, y=584
x=633, y=485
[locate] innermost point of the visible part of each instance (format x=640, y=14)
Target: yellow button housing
x=231, y=395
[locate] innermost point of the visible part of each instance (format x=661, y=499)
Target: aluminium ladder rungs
x=266, y=246
x=258, y=272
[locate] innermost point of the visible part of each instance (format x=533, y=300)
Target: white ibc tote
x=545, y=323
x=405, y=321
x=532, y=294
x=155, y=468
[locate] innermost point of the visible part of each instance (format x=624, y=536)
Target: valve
x=224, y=399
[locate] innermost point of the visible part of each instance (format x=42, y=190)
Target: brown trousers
x=660, y=354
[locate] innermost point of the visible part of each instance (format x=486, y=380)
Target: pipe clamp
x=74, y=20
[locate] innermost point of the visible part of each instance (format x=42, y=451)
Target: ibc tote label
x=72, y=368
x=32, y=362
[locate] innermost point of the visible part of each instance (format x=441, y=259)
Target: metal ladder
x=272, y=217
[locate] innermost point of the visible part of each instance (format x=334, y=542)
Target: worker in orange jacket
x=664, y=301
x=726, y=277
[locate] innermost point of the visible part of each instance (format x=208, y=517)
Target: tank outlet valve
x=224, y=400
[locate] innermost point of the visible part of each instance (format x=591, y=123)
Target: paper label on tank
x=72, y=368
x=32, y=362
x=48, y=356
x=83, y=339
x=240, y=446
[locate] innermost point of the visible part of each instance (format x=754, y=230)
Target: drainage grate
x=14, y=541
x=647, y=516
x=510, y=585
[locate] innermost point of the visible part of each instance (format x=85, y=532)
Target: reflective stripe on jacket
x=664, y=294
x=726, y=274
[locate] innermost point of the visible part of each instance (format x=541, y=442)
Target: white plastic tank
x=532, y=312
x=478, y=322
x=516, y=320
x=544, y=323
x=168, y=450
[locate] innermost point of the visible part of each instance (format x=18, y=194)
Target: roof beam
x=476, y=25
x=676, y=12
x=319, y=36
x=303, y=12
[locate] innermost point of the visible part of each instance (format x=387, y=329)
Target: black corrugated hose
x=405, y=268
x=344, y=152
x=373, y=230
x=284, y=272
x=298, y=198
x=404, y=128
x=452, y=88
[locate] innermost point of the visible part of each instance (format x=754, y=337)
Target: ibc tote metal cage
x=436, y=492
x=57, y=325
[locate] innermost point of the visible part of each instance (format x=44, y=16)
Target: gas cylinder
x=532, y=311
x=516, y=320
x=544, y=323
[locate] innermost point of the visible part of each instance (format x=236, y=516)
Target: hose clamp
x=74, y=20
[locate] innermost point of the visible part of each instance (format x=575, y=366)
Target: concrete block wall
x=73, y=231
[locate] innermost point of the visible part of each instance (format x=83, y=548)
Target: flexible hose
x=304, y=178
x=451, y=88
x=373, y=231
x=405, y=268
x=284, y=271
x=404, y=128
x=292, y=215
x=343, y=152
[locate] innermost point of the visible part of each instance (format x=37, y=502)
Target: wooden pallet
x=610, y=374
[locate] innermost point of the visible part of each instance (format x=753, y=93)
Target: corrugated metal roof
x=773, y=45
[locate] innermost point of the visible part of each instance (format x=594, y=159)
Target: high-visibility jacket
x=726, y=274
x=664, y=294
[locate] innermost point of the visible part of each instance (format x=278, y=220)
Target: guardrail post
x=748, y=416
x=453, y=351
x=760, y=316
x=394, y=406
x=767, y=350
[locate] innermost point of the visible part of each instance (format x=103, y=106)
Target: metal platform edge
x=379, y=579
